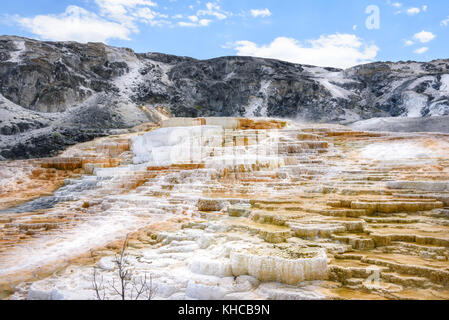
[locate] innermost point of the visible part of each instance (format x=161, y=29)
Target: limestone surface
x=238, y=209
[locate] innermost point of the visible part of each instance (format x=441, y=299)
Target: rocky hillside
x=54, y=94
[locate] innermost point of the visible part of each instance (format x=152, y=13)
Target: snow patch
x=415, y=103
x=15, y=55
x=127, y=82
x=329, y=79
x=258, y=105
x=255, y=105
x=229, y=76
x=336, y=92
x=444, y=84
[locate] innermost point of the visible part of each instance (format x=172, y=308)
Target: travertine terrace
x=227, y=208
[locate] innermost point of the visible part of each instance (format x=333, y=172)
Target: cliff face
x=76, y=87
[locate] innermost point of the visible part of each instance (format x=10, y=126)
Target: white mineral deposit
x=231, y=208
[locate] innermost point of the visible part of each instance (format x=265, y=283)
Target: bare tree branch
x=139, y=286
x=98, y=287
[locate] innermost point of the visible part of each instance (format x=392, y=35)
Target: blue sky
x=320, y=32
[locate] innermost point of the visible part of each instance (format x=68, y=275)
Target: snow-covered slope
x=55, y=76
x=405, y=89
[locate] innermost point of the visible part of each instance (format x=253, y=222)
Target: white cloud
x=193, y=18
x=213, y=9
x=413, y=11
x=197, y=23
x=75, y=24
x=421, y=50
x=261, y=13
x=205, y=22
x=116, y=19
x=409, y=43
x=424, y=36
x=124, y=11
x=397, y=5
x=118, y=8
x=445, y=22
x=128, y=12
x=336, y=50
x=148, y=16
x=394, y=4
